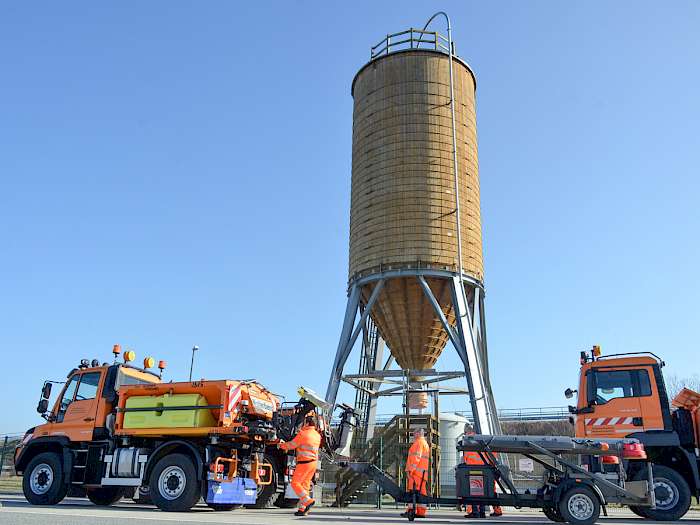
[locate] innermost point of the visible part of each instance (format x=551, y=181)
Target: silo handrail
x=416, y=37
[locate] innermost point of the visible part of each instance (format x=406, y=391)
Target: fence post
x=381, y=467
x=2, y=454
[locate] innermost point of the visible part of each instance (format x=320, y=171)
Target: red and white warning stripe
x=607, y=421
x=234, y=397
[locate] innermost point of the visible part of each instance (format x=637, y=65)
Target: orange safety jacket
x=306, y=443
x=418, y=457
x=472, y=458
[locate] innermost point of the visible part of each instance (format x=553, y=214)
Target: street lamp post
x=194, y=349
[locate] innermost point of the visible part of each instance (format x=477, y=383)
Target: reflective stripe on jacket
x=306, y=443
x=473, y=457
x=418, y=457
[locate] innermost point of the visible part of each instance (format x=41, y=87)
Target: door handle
x=88, y=419
x=637, y=421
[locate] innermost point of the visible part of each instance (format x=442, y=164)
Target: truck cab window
x=67, y=398
x=88, y=386
x=613, y=384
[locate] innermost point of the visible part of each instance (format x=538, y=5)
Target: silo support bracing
x=468, y=336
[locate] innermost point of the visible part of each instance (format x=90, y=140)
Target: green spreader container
x=168, y=411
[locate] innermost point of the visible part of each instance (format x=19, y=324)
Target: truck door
x=654, y=400
x=615, y=395
x=78, y=406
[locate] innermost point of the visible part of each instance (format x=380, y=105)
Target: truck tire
x=268, y=494
x=105, y=496
x=286, y=503
x=672, y=495
x=553, y=514
x=173, y=485
x=579, y=506
x=42, y=482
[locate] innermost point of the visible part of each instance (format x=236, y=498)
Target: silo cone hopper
x=416, y=264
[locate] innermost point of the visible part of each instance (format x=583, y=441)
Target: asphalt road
x=73, y=511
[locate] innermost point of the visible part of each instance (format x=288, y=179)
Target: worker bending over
x=478, y=511
x=306, y=444
x=417, y=471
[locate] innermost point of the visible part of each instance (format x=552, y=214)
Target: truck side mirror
x=43, y=406
x=568, y=393
x=46, y=391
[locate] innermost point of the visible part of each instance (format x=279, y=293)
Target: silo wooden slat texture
x=403, y=194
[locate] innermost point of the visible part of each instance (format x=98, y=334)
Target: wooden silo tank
x=403, y=205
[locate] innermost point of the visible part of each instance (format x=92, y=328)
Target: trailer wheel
x=173, y=484
x=580, y=506
x=672, y=495
x=42, y=482
x=553, y=514
x=105, y=496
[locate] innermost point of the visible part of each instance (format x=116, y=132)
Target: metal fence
x=509, y=414
x=8, y=442
x=411, y=39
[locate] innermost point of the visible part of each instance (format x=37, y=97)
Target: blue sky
x=178, y=173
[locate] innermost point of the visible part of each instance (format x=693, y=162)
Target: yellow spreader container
x=168, y=411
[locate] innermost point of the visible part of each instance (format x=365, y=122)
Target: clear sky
x=178, y=173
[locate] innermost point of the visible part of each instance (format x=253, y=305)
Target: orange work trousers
x=301, y=482
x=416, y=482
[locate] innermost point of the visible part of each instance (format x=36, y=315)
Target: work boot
x=305, y=510
x=497, y=514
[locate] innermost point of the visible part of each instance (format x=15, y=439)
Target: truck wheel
x=268, y=494
x=173, y=484
x=553, y=514
x=105, y=496
x=580, y=506
x=672, y=495
x=42, y=482
x=286, y=503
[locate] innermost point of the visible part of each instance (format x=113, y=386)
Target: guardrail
x=411, y=39
x=510, y=414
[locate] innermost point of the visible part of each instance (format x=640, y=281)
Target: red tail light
x=611, y=460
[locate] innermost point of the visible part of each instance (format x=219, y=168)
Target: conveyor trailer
x=569, y=491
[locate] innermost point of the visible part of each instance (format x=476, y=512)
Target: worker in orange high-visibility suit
x=417, y=471
x=306, y=444
x=478, y=511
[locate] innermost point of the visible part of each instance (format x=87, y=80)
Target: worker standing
x=478, y=511
x=417, y=471
x=306, y=443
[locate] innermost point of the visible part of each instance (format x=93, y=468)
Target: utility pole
x=194, y=349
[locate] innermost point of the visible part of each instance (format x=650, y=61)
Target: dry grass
x=10, y=485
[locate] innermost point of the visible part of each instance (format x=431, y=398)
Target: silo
x=415, y=257
x=403, y=209
x=451, y=427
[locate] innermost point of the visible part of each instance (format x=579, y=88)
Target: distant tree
x=675, y=384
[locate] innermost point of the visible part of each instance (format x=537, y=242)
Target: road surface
x=75, y=511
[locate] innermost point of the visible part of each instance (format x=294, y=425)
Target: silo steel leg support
x=473, y=355
x=348, y=336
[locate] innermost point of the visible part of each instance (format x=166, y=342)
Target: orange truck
x=116, y=428
x=624, y=395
